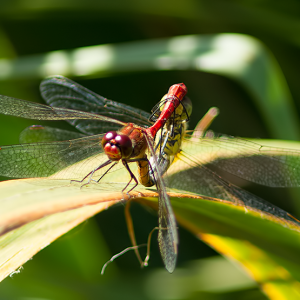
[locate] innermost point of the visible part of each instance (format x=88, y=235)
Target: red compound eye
x=108, y=137
x=125, y=145
x=116, y=146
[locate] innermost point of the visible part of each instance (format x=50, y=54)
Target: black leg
x=173, y=124
x=93, y=171
x=106, y=171
x=131, y=175
x=161, y=153
x=153, y=179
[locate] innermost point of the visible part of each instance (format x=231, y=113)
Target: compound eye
x=108, y=137
x=125, y=144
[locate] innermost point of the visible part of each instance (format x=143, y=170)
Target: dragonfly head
x=116, y=146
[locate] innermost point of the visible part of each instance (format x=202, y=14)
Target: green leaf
x=34, y=212
x=267, y=247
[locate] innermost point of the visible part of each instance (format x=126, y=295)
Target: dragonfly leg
x=131, y=175
x=93, y=171
x=156, y=110
x=186, y=112
x=106, y=171
x=144, y=170
x=172, y=125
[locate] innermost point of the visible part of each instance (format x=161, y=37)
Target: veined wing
x=167, y=234
x=191, y=175
x=39, y=133
x=45, y=159
x=269, y=166
x=59, y=91
x=36, y=111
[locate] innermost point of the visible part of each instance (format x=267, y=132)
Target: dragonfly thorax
x=137, y=136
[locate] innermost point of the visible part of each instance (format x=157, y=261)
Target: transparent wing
x=191, y=175
x=59, y=91
x=39, y=133
x=270, y=166
x=167, y=234
x=36, y=111
x=45, y=159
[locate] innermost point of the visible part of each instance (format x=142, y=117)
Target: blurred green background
x=70, y=267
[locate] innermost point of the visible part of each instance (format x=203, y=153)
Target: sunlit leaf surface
x=34, y=212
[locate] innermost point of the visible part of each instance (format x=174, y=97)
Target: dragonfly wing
x=167, y=234
x=36, y=111
x=269, y=166
x=201, y=180
x=59, y=91
x=39, y=133
x=197, y=178
x=45, y=159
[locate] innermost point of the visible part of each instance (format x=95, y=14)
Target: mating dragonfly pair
x=130, y=133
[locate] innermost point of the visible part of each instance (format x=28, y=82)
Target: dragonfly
x=200, y=157
x=173, y=131
x=47, y=151
x=91, y=114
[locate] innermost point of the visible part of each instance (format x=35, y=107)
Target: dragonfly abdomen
x=144, y=170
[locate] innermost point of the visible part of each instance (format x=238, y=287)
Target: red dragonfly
x=45, y=151
x=196, y=153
